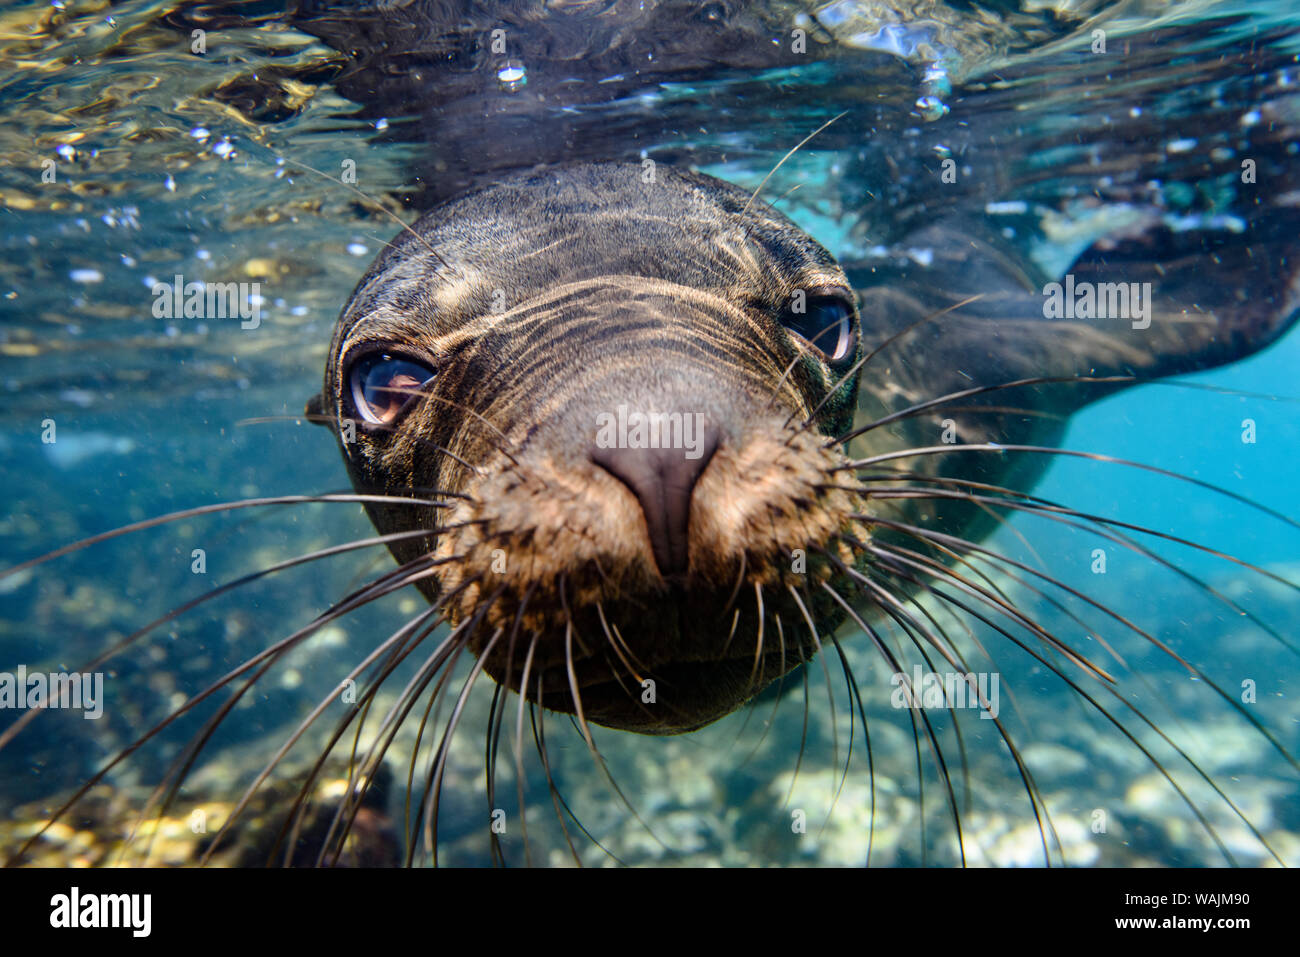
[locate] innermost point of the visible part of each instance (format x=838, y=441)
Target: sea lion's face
x=619, y=392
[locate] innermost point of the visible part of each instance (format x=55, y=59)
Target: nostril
x=663, y=480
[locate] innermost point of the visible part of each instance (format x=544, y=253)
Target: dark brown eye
x=383, y=385
x=826, y=322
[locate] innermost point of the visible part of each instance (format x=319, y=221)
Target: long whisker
x=1115, y=721
x=855, y=695
x=1192, y=806
x=537, y=715
x=495, y=725
x=581, y=720
x=1125, y=541
x=1061, y=515
x=755, y=675
x=947, y=400
x=444, y=747
x=781, y=162
x=371, y=202
x=830, y=690
x=395, y=657
x=925, y=719
x=803, y=733
x=12, y=731
x=1042, y=818
x=441, y=662
x=491, y=742
x=942, y=400
x=1069, y=453
x=443, y=670
x=222, y=507
x=397, y=637
x=1191, y=668
x=406, y=640
x=519, y=743
x=370, y=593
x=899, y=613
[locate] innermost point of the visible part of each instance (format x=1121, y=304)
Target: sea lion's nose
x=663, y=479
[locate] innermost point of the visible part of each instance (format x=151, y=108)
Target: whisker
x=1071, y=453
x=855, y=695
x=491, y=742
x=753, y=707
x=942, y=400
x=1042, y=818
x=925, y=719
x=370, y=201
x=495, y=737
x=213, y=509
x=434, y=708
x=338, y=610
x=620, y=646
x=12, y=731
x=758, y=640
x=1027, y=779
x=803, y=734
x=397, y=637
x=1137, y=712
x=1062, y=515
x=830, y=692
x=798, y=146
x=1191, y=668
x=557, y=799
x=519, y=743
x=920, y=635
x=396, y=655
x=441, y=662
x=1008, y=609
x=581, y=720
x=444, y=747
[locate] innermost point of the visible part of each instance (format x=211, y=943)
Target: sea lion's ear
x=315, y=411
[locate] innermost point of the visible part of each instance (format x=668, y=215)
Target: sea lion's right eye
x=826, y=323
x=383, y=385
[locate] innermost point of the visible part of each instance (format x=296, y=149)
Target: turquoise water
x=168, y=162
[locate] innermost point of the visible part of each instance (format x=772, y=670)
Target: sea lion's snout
x=623, y=420
x=663, y=479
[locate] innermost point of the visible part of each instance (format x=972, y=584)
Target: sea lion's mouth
x=657, y=663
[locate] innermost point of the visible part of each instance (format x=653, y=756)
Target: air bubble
x=931, y=108
x=512, y=76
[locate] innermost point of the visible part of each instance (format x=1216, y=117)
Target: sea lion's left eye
x=826, y=323
x=383, y=385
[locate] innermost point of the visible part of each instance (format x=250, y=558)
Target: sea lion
x=652, y=579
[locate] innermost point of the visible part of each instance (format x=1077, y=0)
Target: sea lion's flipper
x=1207, y=298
